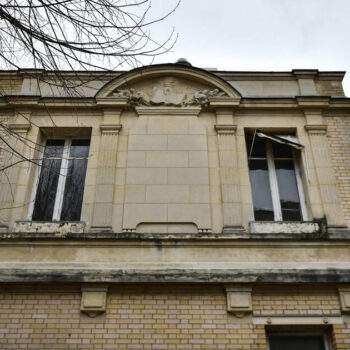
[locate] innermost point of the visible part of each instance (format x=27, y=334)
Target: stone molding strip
x=87, y=275
x=342, y=234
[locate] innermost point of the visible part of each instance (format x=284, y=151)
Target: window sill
x=276, y=227
x=56, y=227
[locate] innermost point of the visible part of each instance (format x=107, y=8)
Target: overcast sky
x=269, y=35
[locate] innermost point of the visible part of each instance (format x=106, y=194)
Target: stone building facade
x=171, y=207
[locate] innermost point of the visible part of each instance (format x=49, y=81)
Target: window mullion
x=61, y=181
x=273, y=183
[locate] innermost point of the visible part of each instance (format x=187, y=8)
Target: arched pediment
x=168, y=84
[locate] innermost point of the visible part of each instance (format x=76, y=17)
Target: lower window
x=296, y=342
x=298, y=338
x=60, y=188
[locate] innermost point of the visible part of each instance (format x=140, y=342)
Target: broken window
x=60, y=188
x=275, y=179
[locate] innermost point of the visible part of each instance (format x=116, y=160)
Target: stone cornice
x=335, y=235
x=121, y=102
x=313, y=101
x=305, y=73
x=224, y=102
x=87, y=274
x=306, y=103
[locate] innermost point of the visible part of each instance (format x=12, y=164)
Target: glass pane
x=259, y=179
x=281, y=151
x=74, y=190
x=258, y=150
x=79, y=148
x=288, y=190
x=46, y=192
x=54, y=148
x=297, y=343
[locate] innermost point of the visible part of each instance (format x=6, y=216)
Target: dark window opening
x=274, y=180
x=60, y=190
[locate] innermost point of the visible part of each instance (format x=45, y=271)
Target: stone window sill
x=56, y=227
x=276, y=227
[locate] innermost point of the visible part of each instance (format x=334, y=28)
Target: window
x=60, y=188
x=275, y=180
x=297, y=342
x=297, y=337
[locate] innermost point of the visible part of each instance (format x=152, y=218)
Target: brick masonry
x=164, y=317
x=339, y=143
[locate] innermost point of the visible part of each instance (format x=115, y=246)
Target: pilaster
x=107, y=161
x=17, y=157
x=229, y=176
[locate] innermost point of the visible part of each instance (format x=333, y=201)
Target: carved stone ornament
x=93, y=300
x=165, y=96
x=239, y=300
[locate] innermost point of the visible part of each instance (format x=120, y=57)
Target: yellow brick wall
x=160, y=317
x=339, y=143
x=162, y=320
x=296, y=304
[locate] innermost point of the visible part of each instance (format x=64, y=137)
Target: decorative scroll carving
x=135, y=98
x=165, y=96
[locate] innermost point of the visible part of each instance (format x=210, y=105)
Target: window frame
x=308, y=333
x=275, y=196
x=56, y=215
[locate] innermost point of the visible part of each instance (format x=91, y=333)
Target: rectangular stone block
x=196, y=213
x=198, y=159
x=135, y=193
x=146, y=176
x=195, y=127
x=188, y=176
x=187, y=142
x=199, y=194
x=147, y=142
x=138, y=213
x=167, y=194
x=136, y=159
x=167, y=159
x=166, y=125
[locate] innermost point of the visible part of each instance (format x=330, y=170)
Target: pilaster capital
x=20, y=128
x=110, y=128
x=225, y=129
x=316, y=129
